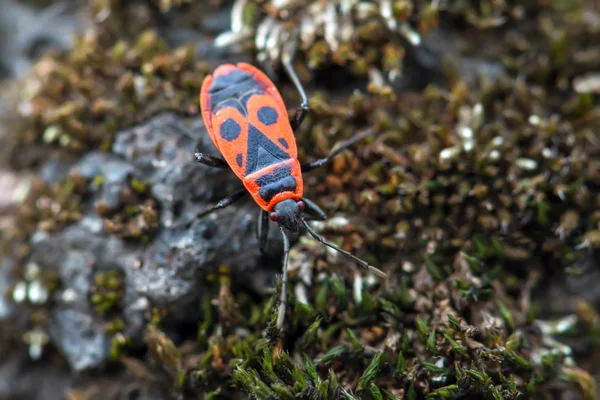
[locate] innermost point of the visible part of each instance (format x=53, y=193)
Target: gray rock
x=114, y=171
x=168, y=272
x=77, y=253
x=80, y=337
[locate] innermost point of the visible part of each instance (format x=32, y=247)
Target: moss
x=470, y=195
x=113, y=84
x=136, y=219
x=107, y=291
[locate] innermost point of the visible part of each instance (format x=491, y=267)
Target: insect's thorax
x=275, y=183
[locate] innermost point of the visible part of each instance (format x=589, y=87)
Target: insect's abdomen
x=270, y=185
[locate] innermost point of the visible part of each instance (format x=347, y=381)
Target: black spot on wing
x=267, y=115
x=261, y=152
x=233, y=90
x=283, y=142
x=239, y=159
x=230, y=130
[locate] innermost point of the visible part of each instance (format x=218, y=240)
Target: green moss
x=107, y=291
x=470, y=194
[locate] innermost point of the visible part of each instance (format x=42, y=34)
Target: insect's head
x=288, y=214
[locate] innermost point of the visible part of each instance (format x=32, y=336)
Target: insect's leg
x=227, y=201
x=309, y=166
x=288, y=61
x=262, y=229
x=211, y=161
x=312, y=209
x=283, y=302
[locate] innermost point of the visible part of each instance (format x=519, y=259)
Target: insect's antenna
x=286, y=256
x=331, y=245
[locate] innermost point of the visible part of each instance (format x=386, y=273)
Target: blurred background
x=478, y=195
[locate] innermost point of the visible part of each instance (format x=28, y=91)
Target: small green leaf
x=516, y=359
x=310, y=336
x=446, y=392
x=299, y=379
x=506, y=314
x=334, y=385
x=349, y=396
x=355, y=344
x=431, y=343
x=432, y=367
x=375, y=392
x=404, y=346
x=282, y=391
x=390, y=308
x=311, y=370
x=422, y=329
x=401, y=364
x=543, y=207
x=212, y=395
x=474, y=263
x=495, y=392
x=411, y=394
x=434, y=270
x=333, y=354
x=458, y=348
x=321, y=299
x=367, y=306
x=370, y=373
x=266, y=363
x=454, y=323
x=497, y=246
x=338, y=288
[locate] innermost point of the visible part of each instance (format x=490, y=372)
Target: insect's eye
x=273, y=216
x=301, y=205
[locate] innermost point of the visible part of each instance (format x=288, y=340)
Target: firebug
x=248, y=122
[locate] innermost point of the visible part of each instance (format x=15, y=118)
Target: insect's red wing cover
x=241, y=101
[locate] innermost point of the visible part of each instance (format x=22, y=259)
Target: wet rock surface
x=181, y=253
x=169, y=271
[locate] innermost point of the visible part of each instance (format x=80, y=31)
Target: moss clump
x=45, y=208
x=107, y=291
x=362, y=37
x=78, y=101
x=136, y=218
x=474, y=196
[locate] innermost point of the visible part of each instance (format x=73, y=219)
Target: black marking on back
x=267, y=115
x=239, y=159
x=230, y=130
x=277, y=174
x=261, y=152
x=283, y=142
x=233, y=90
x=278, y=181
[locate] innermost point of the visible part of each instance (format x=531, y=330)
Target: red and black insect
x=248, y=122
